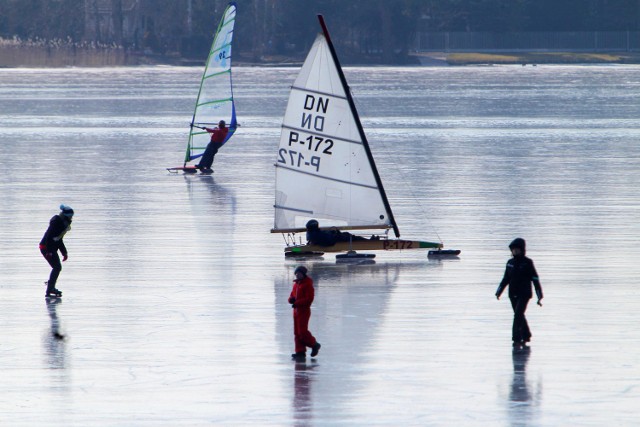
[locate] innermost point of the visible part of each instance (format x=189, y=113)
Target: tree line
x=381, y=30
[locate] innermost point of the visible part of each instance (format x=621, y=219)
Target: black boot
x=300, y=355
x=315, y=349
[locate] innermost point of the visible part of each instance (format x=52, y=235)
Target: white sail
x=323, y=170
x=215, y=98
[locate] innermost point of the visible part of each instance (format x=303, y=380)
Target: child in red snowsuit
x=300, y=299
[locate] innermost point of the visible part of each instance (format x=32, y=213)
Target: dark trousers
x=302, y=336
x=520, y=331
x=56, y=267
x=209, y=153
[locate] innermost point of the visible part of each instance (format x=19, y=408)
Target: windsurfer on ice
x=519, y=274
x=300, y=299
x=52, y=242
x=218, y=136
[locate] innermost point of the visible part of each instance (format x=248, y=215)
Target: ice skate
x=52, y=293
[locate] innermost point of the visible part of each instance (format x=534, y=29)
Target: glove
x=292, y=300
x=64, y=258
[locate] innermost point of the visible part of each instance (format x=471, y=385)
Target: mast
x=365, y=143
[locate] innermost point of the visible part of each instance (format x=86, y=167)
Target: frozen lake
x=174, y=308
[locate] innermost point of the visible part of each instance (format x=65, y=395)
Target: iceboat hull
x=366, y=245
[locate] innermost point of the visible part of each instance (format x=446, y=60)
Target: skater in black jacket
x=519, y=275
x=52, y=242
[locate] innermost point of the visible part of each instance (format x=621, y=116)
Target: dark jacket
x=52, y=239
x=316, y=236
x=322, y=237
x=519, y=275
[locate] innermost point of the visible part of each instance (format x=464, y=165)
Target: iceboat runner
x=215, y=97
x=325, y=169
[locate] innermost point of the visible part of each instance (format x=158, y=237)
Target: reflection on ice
x=519, y=386
x=302, y=401
x=219, y=194
x=54, y=341
x=56, y=364
x=525, y=402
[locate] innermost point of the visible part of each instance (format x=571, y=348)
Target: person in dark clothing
x=218, y=136
x=519, y=275
x=300, y=299
x=52, y=242
x=315, y=236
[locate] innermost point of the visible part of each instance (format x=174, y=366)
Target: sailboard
x=324, y=166
x=215, y=97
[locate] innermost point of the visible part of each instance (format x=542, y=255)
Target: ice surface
x=174, y=309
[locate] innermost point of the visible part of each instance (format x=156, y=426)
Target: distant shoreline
x=13, y=56
x=524, y=58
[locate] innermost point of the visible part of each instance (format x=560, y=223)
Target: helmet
x=66, y=211
x=312, y=224
x=221, y=123
x=301, y=269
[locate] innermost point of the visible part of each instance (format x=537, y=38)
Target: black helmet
x=301, y=269
x=518, y=243
x=312, y=224
x=221, y=123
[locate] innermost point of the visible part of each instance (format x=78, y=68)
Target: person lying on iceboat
x=315, y=236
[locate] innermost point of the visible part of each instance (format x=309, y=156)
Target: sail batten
x=218, y=74
x=293, y=209
x=329, y=178
x=223, y=46
x=216, y=101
